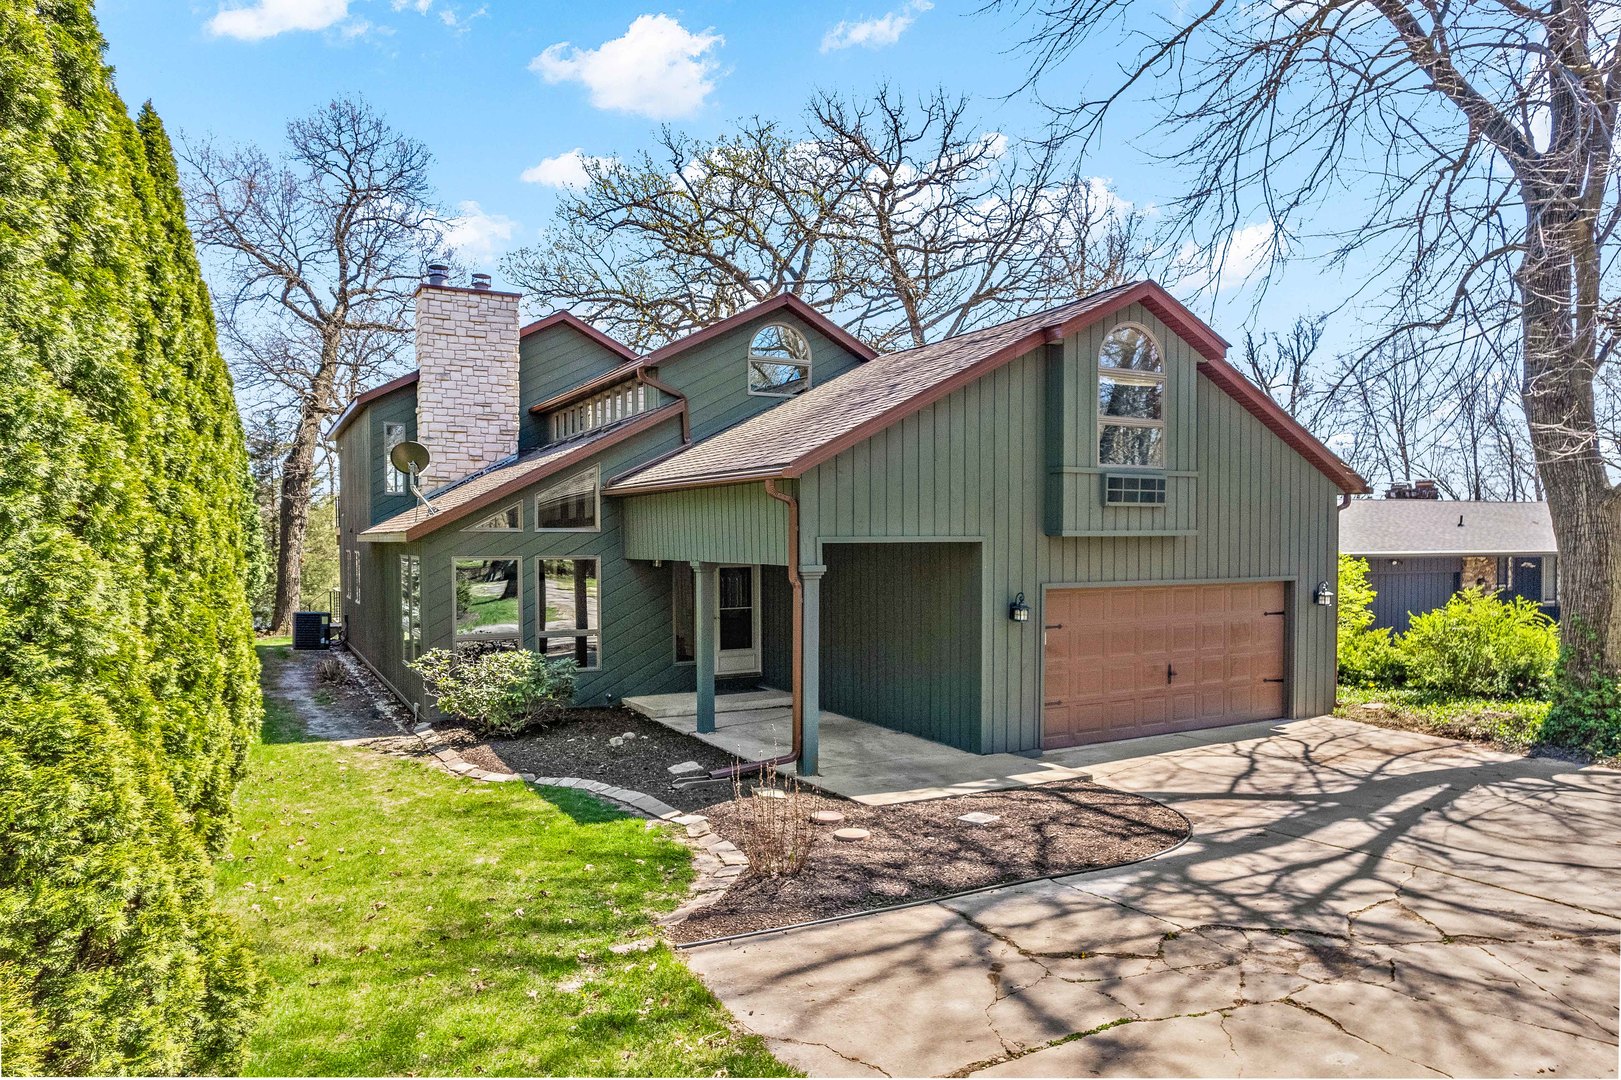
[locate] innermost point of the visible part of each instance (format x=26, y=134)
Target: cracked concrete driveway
x=1354, y=902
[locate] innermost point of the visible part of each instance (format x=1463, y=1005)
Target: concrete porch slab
x=660, y=706
x=860, y=761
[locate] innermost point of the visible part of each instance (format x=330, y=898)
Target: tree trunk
x=293, y=511
x=297, y=484
x=1560, y=367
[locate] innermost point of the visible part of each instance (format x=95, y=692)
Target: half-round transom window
x=1131, y=399
x=779, y=362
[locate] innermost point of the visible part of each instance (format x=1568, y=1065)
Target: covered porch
x=859, y=760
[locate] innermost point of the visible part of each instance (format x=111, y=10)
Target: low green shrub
x=1367, y=656
x=501, y=692
x=1478, y=645
x=1586, y=713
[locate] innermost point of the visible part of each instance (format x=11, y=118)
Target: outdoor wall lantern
x=1324, y=597
x=1019, y=611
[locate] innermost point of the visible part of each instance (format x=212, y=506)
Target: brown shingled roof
x=482, y=490
x=795, y=436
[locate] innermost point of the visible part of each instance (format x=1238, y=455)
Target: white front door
x=737, y=620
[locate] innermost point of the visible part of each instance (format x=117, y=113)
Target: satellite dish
x=409, y=457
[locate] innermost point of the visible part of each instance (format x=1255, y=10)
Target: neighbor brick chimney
x=467, y=394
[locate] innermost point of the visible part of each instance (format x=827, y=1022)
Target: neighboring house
x=1421, y=549
x=1076, y=526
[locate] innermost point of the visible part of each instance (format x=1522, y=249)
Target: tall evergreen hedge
x=127, y=677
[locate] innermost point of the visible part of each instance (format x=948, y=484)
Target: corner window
x=779, y=362
x=507, y=520
x=570, y=505
x=1131, y=400
x=488, y=599
x=394, y=481
x=571, y=611
x=410, y=605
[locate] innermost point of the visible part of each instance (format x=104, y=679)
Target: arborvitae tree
x=127, y=680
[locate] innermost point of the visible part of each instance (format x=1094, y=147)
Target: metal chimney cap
x=481, y=281
x=438, y=273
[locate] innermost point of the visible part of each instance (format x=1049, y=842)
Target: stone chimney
x=467, y=393
x=1422, y=489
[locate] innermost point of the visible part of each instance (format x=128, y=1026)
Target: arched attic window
x=779, y=362
x=1131, y=399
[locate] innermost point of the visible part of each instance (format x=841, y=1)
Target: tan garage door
x=1125, y=662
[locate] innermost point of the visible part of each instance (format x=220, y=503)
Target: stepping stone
x=979, y=817
x=827, y=817
x=771, y=793
x=617, y=740
x=687, y=768
x=850, y=834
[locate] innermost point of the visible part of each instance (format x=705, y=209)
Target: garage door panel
x=1106, y=668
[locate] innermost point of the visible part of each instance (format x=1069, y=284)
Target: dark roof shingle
x=1387, y=527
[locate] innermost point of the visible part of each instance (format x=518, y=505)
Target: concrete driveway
x=1354, y=902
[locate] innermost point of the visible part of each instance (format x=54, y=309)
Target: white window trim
x=518, y=528
x=1134, y=377
x=540, y=608
x=748, y=364
x=394, y=481
x=757, y=650
x=596, y=491
x=456, y=635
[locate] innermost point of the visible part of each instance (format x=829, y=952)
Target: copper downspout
x=797, y=587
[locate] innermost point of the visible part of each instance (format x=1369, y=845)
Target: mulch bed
x=920, y=850
x=915, y=850
x=579, y=746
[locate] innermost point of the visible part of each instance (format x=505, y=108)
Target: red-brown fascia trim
x=749, y=476
x=765, y=307
x=574, y=322
x=352, y=410
x=435, y=522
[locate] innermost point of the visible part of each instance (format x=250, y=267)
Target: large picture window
x=779, y=362
x=570, y=505
x=571, y=611
x=488, y=600
x=1131, y=399
x=394, y=481
x=410, y=605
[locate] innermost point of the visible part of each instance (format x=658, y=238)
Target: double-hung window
x=394, y=481
x=1131, y=400
x=571, y=611
x=410, y=605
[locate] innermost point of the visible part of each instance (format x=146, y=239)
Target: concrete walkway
x=860, y=761
x=1354, y=902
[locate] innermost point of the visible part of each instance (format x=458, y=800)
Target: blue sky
x=500, y=88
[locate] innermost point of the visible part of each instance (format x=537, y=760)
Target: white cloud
x=419, y=6
x=566, y=170
x=479, y=237
x=659, y=69
x=874, y=33
x=267, y=18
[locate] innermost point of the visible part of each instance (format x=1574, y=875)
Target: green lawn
x=414, y=923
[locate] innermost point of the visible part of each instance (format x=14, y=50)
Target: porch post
x=704, y=613
x=810, y=670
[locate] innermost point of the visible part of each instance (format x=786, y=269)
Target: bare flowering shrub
x=774, y=824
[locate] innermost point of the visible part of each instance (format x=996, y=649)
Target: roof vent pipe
x=481, y=281
x=438, y=273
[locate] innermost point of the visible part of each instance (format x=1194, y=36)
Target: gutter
x=798, y=647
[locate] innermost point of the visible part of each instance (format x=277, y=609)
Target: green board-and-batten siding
x=551, y=361
x=973, y=466
x=739, y=523
x=901, y=637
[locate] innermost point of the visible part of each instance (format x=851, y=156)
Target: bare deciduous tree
x=320, y=250
x=907, y=219
x=1464, y=149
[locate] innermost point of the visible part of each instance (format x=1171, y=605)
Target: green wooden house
x=1076, y=526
